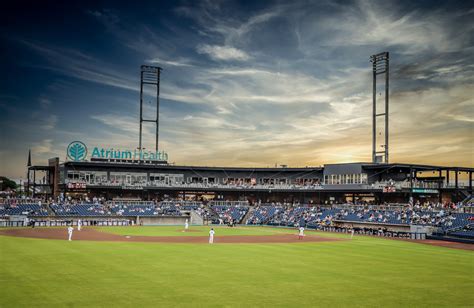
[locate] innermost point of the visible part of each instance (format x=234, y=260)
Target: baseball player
x=211, y=236
x=301, y=233
x=69, y=232
x=186, y=225
x=79, y=225
x=352, y=232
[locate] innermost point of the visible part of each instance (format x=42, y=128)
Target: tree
x=6, y=183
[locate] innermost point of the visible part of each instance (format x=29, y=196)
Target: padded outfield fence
x=63, y=223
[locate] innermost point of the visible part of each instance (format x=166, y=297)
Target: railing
x=229, y=203
x=181, y=203
x=66, y=222
x=138, y=203
x=155, y=184
x=416, y=184
x=454, y=229
x=376, y=185
x=19, y=201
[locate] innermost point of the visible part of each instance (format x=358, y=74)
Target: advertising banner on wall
x=78, y=151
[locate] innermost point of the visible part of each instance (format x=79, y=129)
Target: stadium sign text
x=77, y=151
x=425, y=191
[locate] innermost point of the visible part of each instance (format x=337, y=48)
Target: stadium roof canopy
x=365, y=165
x=163, y=166
x=416, y=167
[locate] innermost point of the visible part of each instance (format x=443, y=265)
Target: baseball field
x=246, y=266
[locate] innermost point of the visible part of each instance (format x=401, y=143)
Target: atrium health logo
x=76, y=151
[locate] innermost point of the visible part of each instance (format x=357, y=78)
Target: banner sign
x=77, y=151
x=389, y=189
x=424, y=191
x=76, y=186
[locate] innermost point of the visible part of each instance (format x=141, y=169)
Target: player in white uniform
x=79, y=225
x=186, y=225
x=69, y=232
x=352, y=232
x=211, y=236
x=301, y=233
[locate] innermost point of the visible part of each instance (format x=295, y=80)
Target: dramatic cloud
x=285, y=83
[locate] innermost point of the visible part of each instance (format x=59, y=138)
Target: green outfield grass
x=194, y=230
x=364, y=272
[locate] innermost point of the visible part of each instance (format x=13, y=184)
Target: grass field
x=194, y=231
x=364, y=272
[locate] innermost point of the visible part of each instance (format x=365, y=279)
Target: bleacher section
x=467, y=233
x=29, y=209
x=263, y=214
x=226, y=213
x=447, y=222
x=119, y=209
x=318, y=217
x=81, y=210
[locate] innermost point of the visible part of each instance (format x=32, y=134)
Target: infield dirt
x=90, y=234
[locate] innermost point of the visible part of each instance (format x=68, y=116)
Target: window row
x=341, y=179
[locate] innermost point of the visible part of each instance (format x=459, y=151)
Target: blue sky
x=249, y=83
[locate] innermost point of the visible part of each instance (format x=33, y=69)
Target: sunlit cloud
x=286, y=83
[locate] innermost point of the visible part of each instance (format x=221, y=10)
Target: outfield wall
x=162, y=220
x=358, y=224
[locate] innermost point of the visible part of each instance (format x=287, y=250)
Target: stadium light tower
x=150, y=75
x=380, y=66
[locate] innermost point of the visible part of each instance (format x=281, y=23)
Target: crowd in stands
x=444, y=216
x=31, y=209
x=237, y=185
x=83, y=209
x=228, y=214
x=466, y=231
x=320, y=217
x=115, y=209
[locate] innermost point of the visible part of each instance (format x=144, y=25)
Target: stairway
x=468, y=199
x=50, y=210
x=248, y=215
x=196, y=219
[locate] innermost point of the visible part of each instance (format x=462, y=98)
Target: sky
x=244, y=83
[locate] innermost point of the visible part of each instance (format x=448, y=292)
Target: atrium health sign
x=77, y=151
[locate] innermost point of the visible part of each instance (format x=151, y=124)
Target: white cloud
x=372, y=23
x=225, y=53
x=50, y=122
x=44, y=120
x=43, y=147
x=127, y=124
x=74, y=63
x=179, y=62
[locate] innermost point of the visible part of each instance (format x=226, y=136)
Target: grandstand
x=27, y=209
x=331, y=183
x=443, y=220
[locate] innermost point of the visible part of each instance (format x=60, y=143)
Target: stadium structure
x=147, y=175
x=123, y=186
x=331, y=183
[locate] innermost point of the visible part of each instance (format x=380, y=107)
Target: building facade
x=351, y=182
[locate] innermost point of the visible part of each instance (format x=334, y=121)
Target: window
x=364, y=178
